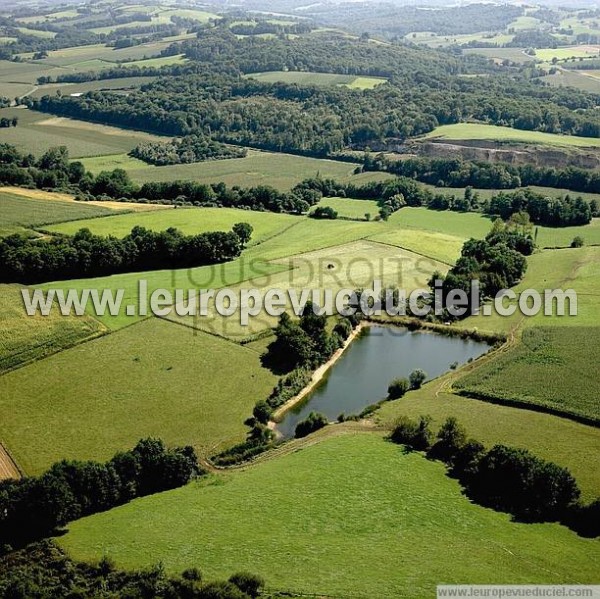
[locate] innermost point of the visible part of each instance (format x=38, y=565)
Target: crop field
x=188, y=220
x=25, y=338
x=556, y=368
x=350, y=208
x=472, y=131
x=547, y=54
x=162, y=373
x=309, y=78
x=361, y=491
x=584, y=80
x=37, y=132
x=158, y=62
x=18, y=213
x=281, y=171
x=516, y=55
x=80, y=88
x=346, y=266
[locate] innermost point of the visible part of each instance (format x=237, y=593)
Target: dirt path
x=8, y=469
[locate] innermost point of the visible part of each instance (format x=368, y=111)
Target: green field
x=79, y=88
x=188, y=220
x=585, y=80
x=23, y=338
x=158, y=62
x=349, y=208
x=353, y=516
x=18, y=213
x=36, y=132
x=281, y=171
x=154, y=378
x=310, y=78
x=516, y=55
x=472, y=131
x=547, y=54
x=556, y=368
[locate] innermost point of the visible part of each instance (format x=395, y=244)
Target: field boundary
x=8, y=465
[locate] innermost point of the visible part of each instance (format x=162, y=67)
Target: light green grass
x=310, y=78
x=353, y=516
x=563, y=236
x=24, y=338
x=37, y=32
x=79, y=88
x=470, y=131
x=281, y=171
x=189, y=220
x=564, y=53
x=158, y=62
x=152, y=379
x=350, y=208
x=18, y=212
x=516, y=55
x=584, y=80
x=556, y=368
x=37, y=132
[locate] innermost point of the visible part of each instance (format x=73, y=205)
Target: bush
x=248, y=583
x=577, y=242
x=398, y=388
x=451, y=438
x=313, y=423
x=262, y=411
x=415, y=435
x=417, y=378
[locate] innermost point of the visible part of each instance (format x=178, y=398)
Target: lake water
x=362, y=374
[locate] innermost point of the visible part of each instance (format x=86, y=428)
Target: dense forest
x=426, y=88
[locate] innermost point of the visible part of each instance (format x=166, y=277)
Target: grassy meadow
x=326, y=79
x=355, y=515
x=473, y=131
x=37, y=132
x=349, y=208
x=24, y=339
x=154, y=378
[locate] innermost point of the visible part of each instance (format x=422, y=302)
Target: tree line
x=85, y=255
x=35, y=507
x=191, y=148
x=504, y=478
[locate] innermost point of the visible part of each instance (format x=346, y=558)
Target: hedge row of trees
x=191, y=148
x=35, y=507
x=503, y=478
x=86, y=255
x=42, y=570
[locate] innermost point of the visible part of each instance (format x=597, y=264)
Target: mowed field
x=349, y=208
x=555, y=368
x=37, y=132
x=281, y=171
x=326, y=79
x=25, y=338
x=353, y=516
x=19, y=213
x=473, y=131
x=152, y=379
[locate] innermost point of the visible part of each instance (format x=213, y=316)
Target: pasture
x=568, y=52
x=26, y=338
x=310, y=78
x=189, y=220
x=472, y=131
x=556, y=368
x=37, y=132
x=19, y=213
x=152, y=379
x=281, y=171
x=352, y=504
x=123, y=83
x=349, y=208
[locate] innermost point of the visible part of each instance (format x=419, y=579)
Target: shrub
x=415, y=435
x=248, y=583
x=417, y=378
x=312, y=423
x=262, y=411
x=451, y=438
x=577, y=242
x=397, y=388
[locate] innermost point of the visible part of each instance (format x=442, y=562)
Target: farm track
x=294, y=445
x=8, y=468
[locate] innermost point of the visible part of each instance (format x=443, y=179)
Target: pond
x=379, y=354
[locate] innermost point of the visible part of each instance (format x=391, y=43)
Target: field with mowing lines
x=281, y=171
x=24, y=338
x=584, y=80
x=353, y=504
x=472, y=131
x=158, y=62
x=547, y=54
x=18, y=212
x=350, y=208
x=556, y=368
x=309, y=78
x=37, y=132
x=348, y=266
x=188, y=220
x=79, y=88
x=152, y=379
x=516, y=55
